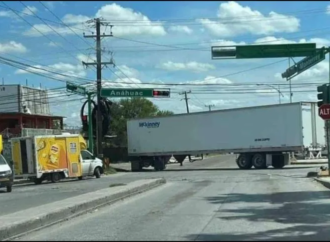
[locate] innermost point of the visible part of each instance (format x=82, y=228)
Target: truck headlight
x=8, y=172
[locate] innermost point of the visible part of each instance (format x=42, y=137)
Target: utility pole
x=210, y=106
x=185, y=98
x=99, y=63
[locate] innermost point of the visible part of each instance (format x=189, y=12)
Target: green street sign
x=310, y=61
x=134, y=92
x=275, y=51
x=70, y=87
x=220, y=52
x=305, y=64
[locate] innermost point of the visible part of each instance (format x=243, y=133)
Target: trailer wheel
x=259, y=161
x=159, y=164
x=136, y=165
x=244, y=161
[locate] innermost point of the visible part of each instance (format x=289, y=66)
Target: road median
x=19, y=223
x=309, y=162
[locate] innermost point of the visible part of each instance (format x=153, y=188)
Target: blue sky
x=177, y=39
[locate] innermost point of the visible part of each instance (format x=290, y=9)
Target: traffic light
x=159, y=93
x=323, y=95
x=84, y=123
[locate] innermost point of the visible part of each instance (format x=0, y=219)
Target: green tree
x=127, y=109
x=163, y=113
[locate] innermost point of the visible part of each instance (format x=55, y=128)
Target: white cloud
x=223, y=42
x=328, y=9
x=12, y=47
x=138, y=24
x=7, y=14
x=61, y=68
x=29, y=10
x=189, y=66
x=129, y=72
x=211, y=80
x=46, y=30
x=235, y=19
x=75, y=19
x=320, y=42
x=181, y=29
x=54, y=44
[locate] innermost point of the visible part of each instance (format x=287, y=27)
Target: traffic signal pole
x=328, y=127
x=90, y=125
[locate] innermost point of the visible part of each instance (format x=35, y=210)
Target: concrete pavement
x=25, y=196
x=219, y=202
x=19, y=223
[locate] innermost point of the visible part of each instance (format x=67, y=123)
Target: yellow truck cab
x=53, y=157
x=6, y=175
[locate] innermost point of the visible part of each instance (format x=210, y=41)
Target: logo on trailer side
x=149, y=124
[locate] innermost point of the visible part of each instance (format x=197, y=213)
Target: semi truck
x=260, y=136
x=53, y=157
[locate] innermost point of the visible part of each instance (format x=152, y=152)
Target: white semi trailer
x=262, y=136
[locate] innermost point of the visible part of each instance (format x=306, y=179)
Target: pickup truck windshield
x=2, y=160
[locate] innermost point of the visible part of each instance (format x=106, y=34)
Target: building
x=25, y=111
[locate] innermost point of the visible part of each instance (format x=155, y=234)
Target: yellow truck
x=6, y=175
x=53, y=157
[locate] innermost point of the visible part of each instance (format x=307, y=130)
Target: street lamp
x=275, y=88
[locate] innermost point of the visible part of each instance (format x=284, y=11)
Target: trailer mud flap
x=269, y=160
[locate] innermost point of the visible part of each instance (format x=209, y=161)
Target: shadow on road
x=44, y=183
x=305, y=214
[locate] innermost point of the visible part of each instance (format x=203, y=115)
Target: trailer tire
x=259, y=161
x=244, y=161
x=136, y=166
x=9, y=188
x=159, y=164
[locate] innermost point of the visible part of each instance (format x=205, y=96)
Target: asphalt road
x=218, y=202
x=25, y=196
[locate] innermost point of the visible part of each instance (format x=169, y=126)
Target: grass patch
x=117, y=184
x=109, y=171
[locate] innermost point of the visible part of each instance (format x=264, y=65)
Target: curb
x=308, y=163
x=33, y=219
x=324, y=183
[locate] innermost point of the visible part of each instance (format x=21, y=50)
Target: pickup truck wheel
x=259, y=161
x=55, y=177
x=80, y=178
x=9, y=188
x=244, y=161
x=97, y=172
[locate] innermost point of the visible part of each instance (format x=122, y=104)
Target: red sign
x=324, y=111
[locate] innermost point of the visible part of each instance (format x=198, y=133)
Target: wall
x=9, y=99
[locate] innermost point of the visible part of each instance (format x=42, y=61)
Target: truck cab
x=91, y=166
x=6, y=174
